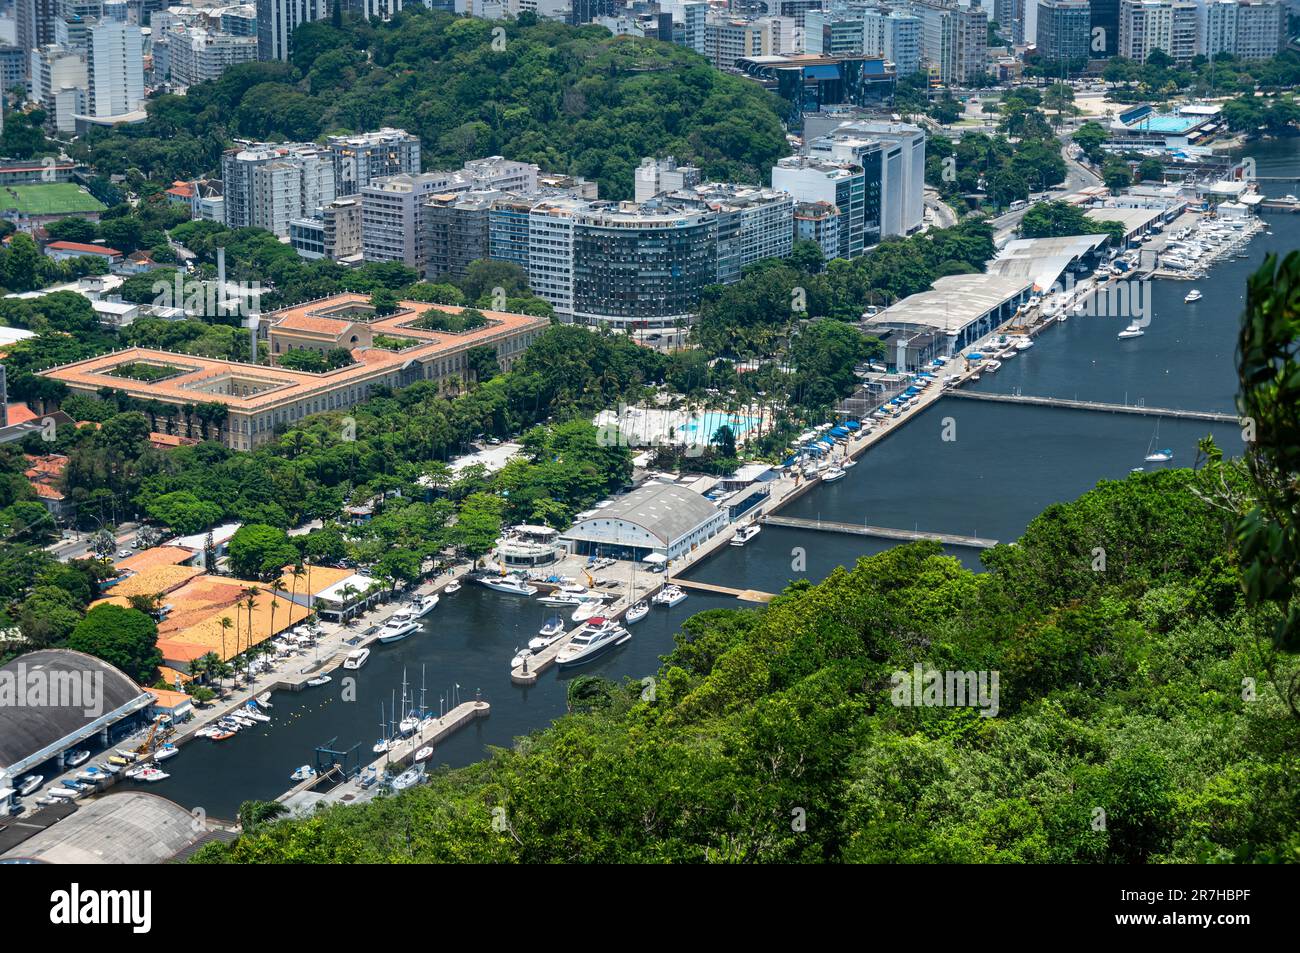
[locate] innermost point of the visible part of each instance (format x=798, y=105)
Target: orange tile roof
x=85, y=249
x=168, y=698
x=281, y=384
x=153, y=580
x=46, y=492
x=181, y=189
x=20, y=413
x=330, y=327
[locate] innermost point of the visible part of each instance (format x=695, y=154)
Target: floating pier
x=1097, y=405
x=881, y=532
x=745, y=595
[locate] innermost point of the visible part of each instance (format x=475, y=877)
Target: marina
x=1013, y=456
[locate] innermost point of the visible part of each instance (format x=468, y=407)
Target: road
x=78, y=547
x=1076, y=177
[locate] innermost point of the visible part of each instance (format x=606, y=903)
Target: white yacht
x=745, y=534
x=303, y=773
x=77, y=759
x=452, y=587
x=521, y=656
x=1132, y=331
x=669, y=596
x=992, y=366
x=548, y=634
x=512, y=584
x=152, y=773
x=594, y=638
x=398, y=627
x=833, y=474
x=1193, y=295
x=29, y=784
x=586, y=609
x=637, y=612
x=421, y=606
x=356, y=658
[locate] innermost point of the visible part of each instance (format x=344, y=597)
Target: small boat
x=166, y=751
x=264, y=699
x=1193, y=295
x=397, y=628
x=118, y=760
x=1137, y=469
x=150, y=774
x=512, y=584
x=586, y=609
x=1022, y=343
x=109, y=768
x=136, y=769
x=47, y=800
x=78, y=758
x=221, y=735
x=560, y=600
x=408, y=778
x=66, y=794
x=452, y=587
x=305, y=773
x=421, y=606
x=319, y=680
x=521, y=656
x=848, y=463
x=243, y=721
x=93, y=775
x=424, y=754
x=1159, y=456
x=596, y=637
x=29, y=784
x=548, y=635
x=745, y=534
x=380, y=746
x=356, y=658
x=1132, y=331
x=637, y=612
x=833, y=474
x=251, y=712
x=669, y=596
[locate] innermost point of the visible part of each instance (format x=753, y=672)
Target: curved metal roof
x=131, y=827
x=77, y=691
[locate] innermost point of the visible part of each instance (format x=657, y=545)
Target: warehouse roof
x=130, y=827
x=953, y=303
x=663, y=510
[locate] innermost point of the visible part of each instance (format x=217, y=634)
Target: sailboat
x=383, y=743
x=1157, y=456
x=639, y=609
x=410, y=721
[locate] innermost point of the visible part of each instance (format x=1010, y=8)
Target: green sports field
x=54, y=198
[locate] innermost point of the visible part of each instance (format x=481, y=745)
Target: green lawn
x=54, y=198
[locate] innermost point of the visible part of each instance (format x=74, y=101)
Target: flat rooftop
x=1131, y=218
x=1043, y=260
x=953, y=303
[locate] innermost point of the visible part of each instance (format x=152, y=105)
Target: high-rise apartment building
x=954, y=40
x=1064, y=30
x=1169, y=25
x=277, y=19
x=268, y=185
x=1010, y=18
x=359, y=160
x=895, y=35
x=1247, y=29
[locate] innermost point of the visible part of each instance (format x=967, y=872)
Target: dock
x=1096, y=405
x=745, y=595
x=880, y=532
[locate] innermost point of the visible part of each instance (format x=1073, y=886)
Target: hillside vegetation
x=572, y=100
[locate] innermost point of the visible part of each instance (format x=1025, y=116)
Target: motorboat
x=109, y=768
x=65, y=794
x=250, y=711
x=264, y=699
x=221, y=735
x=421, y=606
x=848, y=463
x=398, y=627
x=521, y=656
x=78, y=758
x=452, y=587
x=992, y=366
x=564, y=596
x=1132, y=331
x=166, y=751
x=586, y=609
x=29, y=784
x=94, y=775
x=637, y=612
x=150, y=774
x=304, y=773
x=669, y=596
x=319, y=680
x=356, y=658
x=549, y=634
x=746, y=533
x=424, y=754
x=1193, y=295
x=1022, y=343
x=47, y=800
x=833, y=474
x=243, y=720
x=512, y=584
x=593, y=639
x=380, y=746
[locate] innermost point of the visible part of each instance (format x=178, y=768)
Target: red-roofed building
x=44, y=474
x=62, y=251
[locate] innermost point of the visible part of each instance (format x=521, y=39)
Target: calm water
x=1006, y=464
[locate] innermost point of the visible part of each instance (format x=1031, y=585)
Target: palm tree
x=345, y=594
x=225, y=625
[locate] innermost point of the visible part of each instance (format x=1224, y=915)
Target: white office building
x=1169, y=25
x=115, y=62
x=895, y=35
x=839, y=185
x=1247, y=29
x=277, y=19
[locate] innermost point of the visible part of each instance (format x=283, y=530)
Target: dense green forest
x=572, y=100
x=1146, y=708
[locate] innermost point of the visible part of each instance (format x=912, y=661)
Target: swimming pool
x=708, y=423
